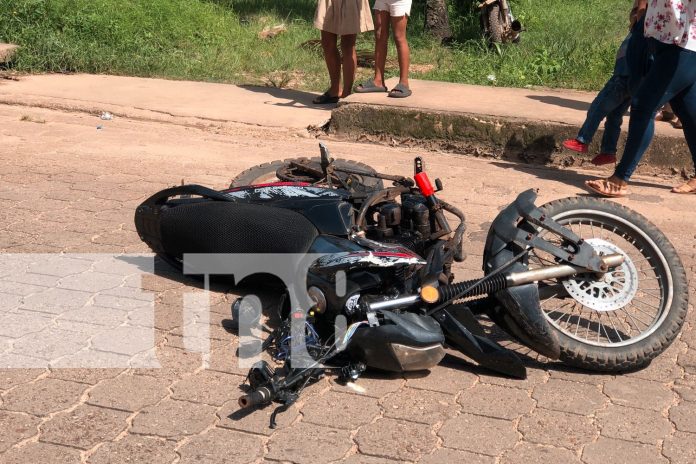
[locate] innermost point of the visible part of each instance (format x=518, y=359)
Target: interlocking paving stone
x=174, y=364
x=633, y=424
x=561, y=395
x=559, y=429
x=686, y=389
x=607, y=450
x=680, y=449
x=41, y=453
x=447, y=377
x=446, y=455
x=43, y=396
x=500, y=402
x=12, y=377
x=21, y=322
x=88, y=376
x=173, y=419
x=292, y=444
x=209, y=387
x=129, y=392
x=84, y=427
x=15, y=428
x=58, y=265
x=529, y=453
x=638, y=393
x=96, y=315
x=479, y=434
x=420, y=406
x=364, y=459
x=51, y=344
x=127, y=340
x=684, y=416
x=135, y=449
x=403, y=441
x=340, y=410
x=91, y=282
x=227, y=446
x=56, y=300
x=688, y=360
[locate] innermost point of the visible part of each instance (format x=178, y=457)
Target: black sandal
x=325, y=99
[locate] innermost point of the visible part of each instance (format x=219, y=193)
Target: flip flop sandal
x=325, y=99
x=369, y=87
x=400, y=91
x=608, y=189
x=684, y=189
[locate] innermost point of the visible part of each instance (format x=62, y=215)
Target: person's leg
x=673, y=71
x=612, y=127
x=611, y=97
x=399, y=24
x=684, y=106
x=381, y=45
x=333, y=61
x=350, y=62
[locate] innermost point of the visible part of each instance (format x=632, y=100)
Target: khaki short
x=344, y=17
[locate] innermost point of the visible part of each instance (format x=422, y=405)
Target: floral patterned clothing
x=672, y=22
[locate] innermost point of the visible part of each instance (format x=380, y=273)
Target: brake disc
x=610, y=291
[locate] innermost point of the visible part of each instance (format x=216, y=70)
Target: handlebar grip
x=259, y=396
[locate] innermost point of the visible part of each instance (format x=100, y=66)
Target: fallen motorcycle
x=497, y=22
x=583, y=280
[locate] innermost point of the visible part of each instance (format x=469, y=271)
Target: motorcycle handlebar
x=259, y=396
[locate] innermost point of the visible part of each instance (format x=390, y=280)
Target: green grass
x=568, y=43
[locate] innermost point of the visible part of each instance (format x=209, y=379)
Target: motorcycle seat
x=228, y=227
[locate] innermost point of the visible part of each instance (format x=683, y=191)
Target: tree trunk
x=437, y=19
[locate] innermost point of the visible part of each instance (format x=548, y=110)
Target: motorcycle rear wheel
x=496, y=29
x=268, y=172
x=624, y=320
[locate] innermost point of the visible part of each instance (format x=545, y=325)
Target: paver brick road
x=68, y=187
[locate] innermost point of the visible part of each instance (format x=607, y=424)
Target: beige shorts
x=344, y=17
x=396, y=8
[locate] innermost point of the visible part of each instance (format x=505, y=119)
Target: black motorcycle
x=583, y=280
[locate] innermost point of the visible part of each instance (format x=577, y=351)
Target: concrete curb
x=515, y=139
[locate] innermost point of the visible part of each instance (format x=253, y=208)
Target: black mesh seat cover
x=226, y=227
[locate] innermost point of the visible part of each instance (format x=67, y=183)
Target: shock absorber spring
x=494, y=284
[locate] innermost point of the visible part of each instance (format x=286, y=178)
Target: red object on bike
x=424, y=184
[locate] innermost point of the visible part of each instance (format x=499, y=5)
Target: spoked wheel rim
x=628, y=304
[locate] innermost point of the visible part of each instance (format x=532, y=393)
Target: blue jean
x=611, y=103
x=671, y=78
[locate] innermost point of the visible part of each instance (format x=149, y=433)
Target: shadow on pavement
x=569, y=177
x=560, y=101
x=297, y=98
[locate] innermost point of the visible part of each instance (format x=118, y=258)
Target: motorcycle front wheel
x=623, y=319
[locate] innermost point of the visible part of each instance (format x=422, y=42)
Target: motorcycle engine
x=407, y=223
x=401, y=343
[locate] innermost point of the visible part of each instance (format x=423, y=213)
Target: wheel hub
x=611, y=292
